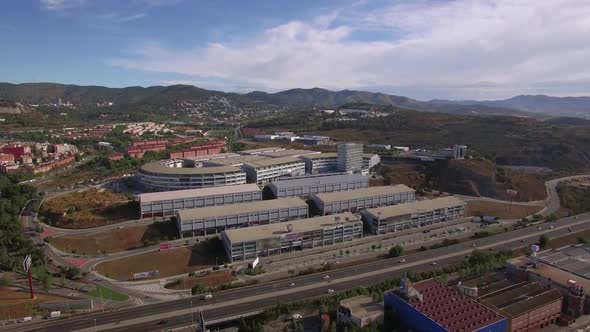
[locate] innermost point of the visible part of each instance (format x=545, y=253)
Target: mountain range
x=539, y=106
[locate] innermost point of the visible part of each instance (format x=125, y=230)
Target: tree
x=197, y=289
x=396, y=251
x=543, y=241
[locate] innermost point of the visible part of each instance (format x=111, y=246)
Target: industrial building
x=215, y=219
x=431, y=306
x=236, y=161
x=263, y=171
x=306, y=186
x=261, y=150
x=353, y=201
x=370, y=160
x=350, y=157
x=565, y=269
x=289, y=153
x=277, y=238
x=359, y=311
x=172, y=175
x=414, y=214
x=165, y=204
x=320, y=163
x=527, y=306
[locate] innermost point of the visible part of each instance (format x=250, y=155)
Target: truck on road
x=53, y=314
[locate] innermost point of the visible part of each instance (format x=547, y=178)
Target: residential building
x=320, y=163
x=355, y=200
x=263, y=171
x=360, y=311
x=306, y=186
x=165, y=204
x=171, y=175
x=431, y=306
x=350, y=157
x=215, y=219
x=414, y=214
x=296, y=235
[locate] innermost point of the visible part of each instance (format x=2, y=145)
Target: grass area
x=107, y=293
x=569, y=240
x=500, y=210
x=88, y=208
x=168, y=262
x=115, y=240
x=208, y=280
x=16, y=303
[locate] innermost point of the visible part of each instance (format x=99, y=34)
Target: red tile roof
x=451, y=309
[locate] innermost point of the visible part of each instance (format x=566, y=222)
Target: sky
x=423, y=49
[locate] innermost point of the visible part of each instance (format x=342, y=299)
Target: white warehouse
x=336, y=202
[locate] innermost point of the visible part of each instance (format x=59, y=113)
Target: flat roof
x=189, y=193
x=363, y=193
x=488, y=283
x=369, y=155
x=159, y=167
x=554, y=273
x=239, y=159
x=363, y=306
x=241, y=208
x=279, y=229
x=450, y=308
x=320, y=155
x=413, y=207
x=574, y=259
x=212, y=156
x=289, y=152
x=272, y=162
x=522, y=298
x=261, y=150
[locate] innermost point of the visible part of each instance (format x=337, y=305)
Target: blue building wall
x=419, y=322
x=411, y=317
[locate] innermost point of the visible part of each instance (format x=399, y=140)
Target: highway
x=246, y=299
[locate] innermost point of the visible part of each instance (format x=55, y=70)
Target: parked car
x=326, y=277
x=402, y=260
x=330, y=290
x=291, y=284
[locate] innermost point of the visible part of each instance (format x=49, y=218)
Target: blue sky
x=480, y=49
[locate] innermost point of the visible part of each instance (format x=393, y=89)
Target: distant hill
x=524, y=106
x=9, y=107
x=552, y=106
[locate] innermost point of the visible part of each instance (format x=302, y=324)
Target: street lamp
x=95, y=325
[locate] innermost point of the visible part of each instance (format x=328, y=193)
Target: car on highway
x=296, y=316
x=330, y=290
x=207, y=297
x=291, y=284
x=474, y=245
x=433, y=263
x=326, y=277
x=162, y=322
x=402, y=260
x=569, y=229
x=539, y=228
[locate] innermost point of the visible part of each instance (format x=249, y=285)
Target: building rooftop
x=521, y=298
x=320, y=155
x=488, y=283
x=309, y=180
x=574, y=259
x=261, y=150
x=272, y=162
x=188, y=193
x=159, y=167
x=369, y=155
x=450, y=308
x=362, y=193
x=212, y=156
x=241, y=208
x=277, y=230
x=289, y=152
x=549, y=271
x=363, y=306
x=237, y=160
x=413, y=207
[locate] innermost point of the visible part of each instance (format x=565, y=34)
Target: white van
x=207, y=297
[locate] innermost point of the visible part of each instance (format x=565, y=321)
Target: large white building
x=274, y=239
x=215, y=219
x=305, y=186
x=370, y=160
x=320, y=163
x=350, y=157
x=355, y=200
x=171, y=175
x=414, y=214
x=263, y=171
x=165, y=204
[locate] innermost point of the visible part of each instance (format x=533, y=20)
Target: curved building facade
x=171, y=174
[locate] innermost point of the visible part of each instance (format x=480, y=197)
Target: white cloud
x=60, y=4
x=513, y=46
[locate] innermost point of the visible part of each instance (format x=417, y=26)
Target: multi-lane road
x=247, y=299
